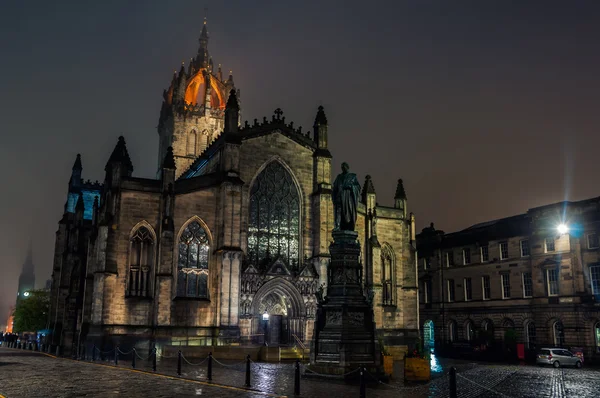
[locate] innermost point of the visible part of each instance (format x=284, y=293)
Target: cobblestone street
x=29, y=374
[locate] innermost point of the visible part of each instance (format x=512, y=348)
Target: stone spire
x=80, y=206
x=169, y=161
x=320, y=128
x=76, y=172
x=400, y=192
x=203, y=58
x=232, y=113
x=119, y=164
x=368, y=192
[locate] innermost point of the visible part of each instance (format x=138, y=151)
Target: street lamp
x=265, y=316
x=26, y=294
x=562, y=229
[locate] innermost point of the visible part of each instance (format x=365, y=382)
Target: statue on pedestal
x=346, y=190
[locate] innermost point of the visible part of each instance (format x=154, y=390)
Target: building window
x=592, y=241
x=387, y=276
x=552, y=282
x=452, y=332
x=485, y=285
x=426, y=263
x=527, y=285
x=427, y=291
x=503, y=250
x=485, y=254
x=274, y=218
x=468, y=289
x=466, y=256
x=530, y=335
x=595, y=276
x=524, y=248
x=549, y=245
x=141, y=258
x=191, y=143
x=450, y=283
x=469, y=331
x=192, y=264
x=559, y=334
x=449, y=259
x=505, y=278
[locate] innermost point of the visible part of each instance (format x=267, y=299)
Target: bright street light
x=562, y=229
x=26, y=294
x=265, y=316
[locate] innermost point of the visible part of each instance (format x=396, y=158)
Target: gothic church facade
x=230, y=243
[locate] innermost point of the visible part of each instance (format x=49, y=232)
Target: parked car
x=557, y=357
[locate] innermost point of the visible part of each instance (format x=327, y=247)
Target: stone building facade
x=535, y=276
x=230, y=242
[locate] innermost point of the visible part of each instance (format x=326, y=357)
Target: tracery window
x=141, y=258
x=274, y=218
x=387, y=276
x=192, y=264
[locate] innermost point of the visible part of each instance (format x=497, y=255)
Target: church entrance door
x=279, y=313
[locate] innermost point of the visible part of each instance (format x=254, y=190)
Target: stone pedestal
x=344, y=335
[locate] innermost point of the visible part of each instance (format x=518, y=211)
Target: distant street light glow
x=26, y=294
x=562, y=229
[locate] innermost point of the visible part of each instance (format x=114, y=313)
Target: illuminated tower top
x=192, y=112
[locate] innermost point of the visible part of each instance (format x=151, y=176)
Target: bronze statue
x=346, y=190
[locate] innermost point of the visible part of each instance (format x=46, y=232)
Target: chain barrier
x=229, y=366
x=104, y=352
x=482, y=386
x=326, y=375
x=143, y=359
x=125, y=353
x=194, y=364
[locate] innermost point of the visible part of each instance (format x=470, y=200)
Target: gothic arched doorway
x=278, y=312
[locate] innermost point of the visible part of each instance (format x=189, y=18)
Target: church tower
x=27, y=277
x=193, y=108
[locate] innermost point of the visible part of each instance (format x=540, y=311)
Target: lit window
x=505, y=286
x=485, y=284
x=527, y=285
x=503, y=250
x=466, y=256
x=192, y=264
x=550, y=245
x=450, y=283
x=524, y=248
x=552, y=282
x=592, y=241
x=485, y=254
x=468, y=289
x=469, y=331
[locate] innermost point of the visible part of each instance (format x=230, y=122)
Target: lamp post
x=265, y=318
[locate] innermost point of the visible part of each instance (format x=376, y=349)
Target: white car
x=557, y=357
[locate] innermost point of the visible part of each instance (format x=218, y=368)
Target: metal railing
x=300, y=344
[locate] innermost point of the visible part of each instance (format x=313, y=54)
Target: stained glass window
x=274, y=218
x=192, y=264
x=141, y=257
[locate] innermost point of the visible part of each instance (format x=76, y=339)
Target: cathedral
x=230, y=243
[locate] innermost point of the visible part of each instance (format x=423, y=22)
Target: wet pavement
x=29, y=374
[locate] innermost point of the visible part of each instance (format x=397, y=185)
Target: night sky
x=484, y=108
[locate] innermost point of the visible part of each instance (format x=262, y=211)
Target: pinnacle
x=368, y=187
x=232, y=102
x=321, y=119
x=169, y=162
x=77, y=164
x=400, y=192
x=120, y=154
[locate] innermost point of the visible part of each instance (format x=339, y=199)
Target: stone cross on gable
x=278, y=112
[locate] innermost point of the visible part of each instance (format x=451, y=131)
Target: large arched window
x=141, y=258
x=274, y=218
x=192, y=264
x=530, y=335
x=387, y=275
x=559, y=334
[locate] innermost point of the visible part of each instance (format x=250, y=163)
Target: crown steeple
x=203, y=58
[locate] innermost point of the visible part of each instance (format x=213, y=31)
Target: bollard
x=179, y=363
x=363, y=392
x=297, y=378
x=154, y=359
x=133, y=358
x=453, y=382
x=117, y=355
x=94, y=353
x=209, y=372
x=57, y=350
x=248, y=371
